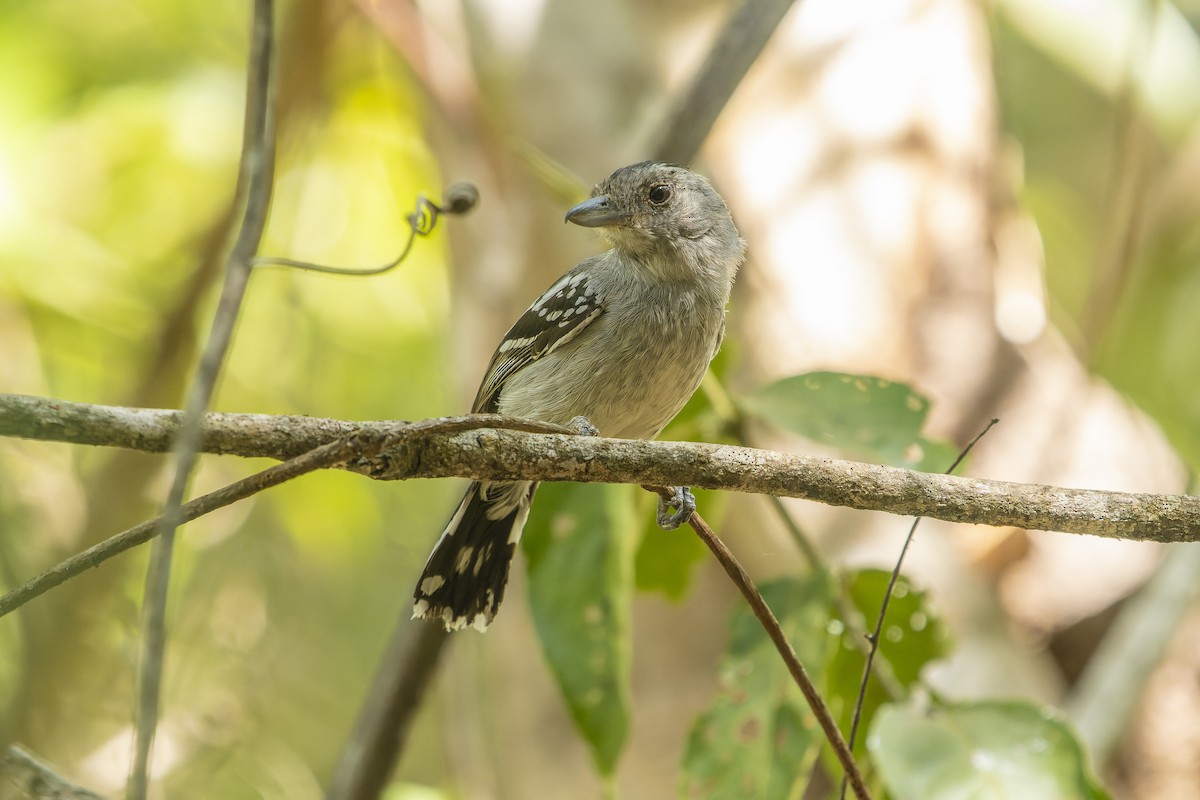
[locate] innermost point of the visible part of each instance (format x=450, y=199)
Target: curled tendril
x=423, y=218
x=460, y=198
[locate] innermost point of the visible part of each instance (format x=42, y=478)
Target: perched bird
x=622, y=339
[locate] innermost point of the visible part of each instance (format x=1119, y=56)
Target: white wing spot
x=509, y=344
x=553, y=291
x=571, y=334
x=553, y=315
x=431, y=585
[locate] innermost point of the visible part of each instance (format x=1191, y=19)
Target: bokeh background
x=996, y=203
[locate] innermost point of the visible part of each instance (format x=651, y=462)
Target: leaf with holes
x=758, y=738
x=868, y=417
x=912, y=636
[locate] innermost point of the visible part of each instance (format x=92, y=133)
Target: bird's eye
x=659, y=194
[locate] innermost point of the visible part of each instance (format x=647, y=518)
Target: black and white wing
x=554, y=319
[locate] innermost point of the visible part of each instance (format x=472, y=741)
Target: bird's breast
x=629, y=372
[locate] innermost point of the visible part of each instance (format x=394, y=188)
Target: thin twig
x=845, y=605
x=255, y=175
x=36, y=779
x=887, y=597
x=401, y=680
x=97, y=554
x=771, y=625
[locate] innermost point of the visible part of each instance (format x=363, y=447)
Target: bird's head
x=667, y=218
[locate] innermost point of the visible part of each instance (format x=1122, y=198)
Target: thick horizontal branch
x=461, y=447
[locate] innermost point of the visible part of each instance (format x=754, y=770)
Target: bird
x=617, y=345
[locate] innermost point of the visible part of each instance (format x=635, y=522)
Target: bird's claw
x=583, y=427
x=684, y=502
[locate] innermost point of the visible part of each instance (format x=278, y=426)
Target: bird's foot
x=582, y=427
x=684, y=502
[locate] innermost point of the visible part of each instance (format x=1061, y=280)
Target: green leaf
x=666, y=560
x=996, y=750
x=913, y=635
x=579, y=543
x=869, y=417
x=758, y=738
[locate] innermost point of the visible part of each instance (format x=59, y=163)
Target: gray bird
x=622, y=339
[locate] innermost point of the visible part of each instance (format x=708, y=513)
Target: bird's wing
x=555, y=318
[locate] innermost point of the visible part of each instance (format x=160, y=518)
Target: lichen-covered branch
x=460, y=447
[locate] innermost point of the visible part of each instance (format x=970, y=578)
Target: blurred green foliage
x=118, y=153
x=1110, y=170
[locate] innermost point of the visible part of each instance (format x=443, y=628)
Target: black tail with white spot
x=465, y=576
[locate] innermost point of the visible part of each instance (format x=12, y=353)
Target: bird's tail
x=464, y=578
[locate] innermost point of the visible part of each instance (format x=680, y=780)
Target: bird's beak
x=596, y=212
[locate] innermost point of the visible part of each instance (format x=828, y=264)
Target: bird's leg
x=583, y=427
x=684, y=501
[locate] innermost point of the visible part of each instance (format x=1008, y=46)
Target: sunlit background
x=998, y=203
